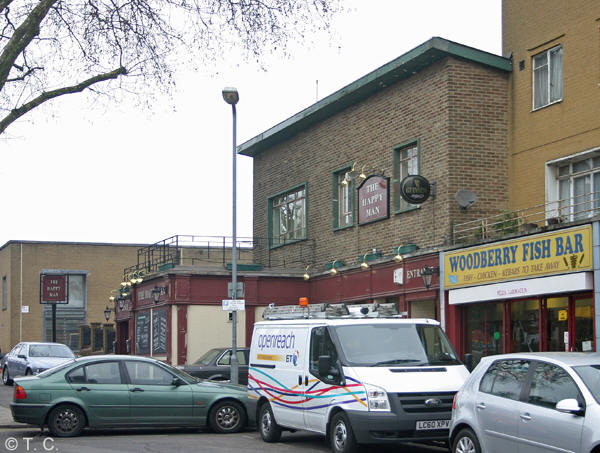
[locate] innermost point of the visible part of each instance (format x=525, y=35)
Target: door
x=104, y=392
x=525, y=325
x=498, y=395
x=542, y=428
x=583, y=324
x=320, y=391
x=557, y=323
x=19, y=361
x=154, y=398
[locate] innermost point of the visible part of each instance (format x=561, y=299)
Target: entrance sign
x=558, y=252
x=54, y=289
x=373, y=199
x=415, y=189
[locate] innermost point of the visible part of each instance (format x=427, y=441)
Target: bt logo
x=293, y=358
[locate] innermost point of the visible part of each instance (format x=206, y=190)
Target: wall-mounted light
x=355, y=174
x=398, y=256
x=333, y=270
x=427, y=275
x=137, y=277
x=306, y=274
x=364, y=265
x=107, y=312
x=155, y=294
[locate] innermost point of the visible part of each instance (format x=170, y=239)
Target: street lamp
x=107, y=313
x=427, y=275
x=232, y=97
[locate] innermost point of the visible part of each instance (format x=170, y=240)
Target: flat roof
x=406, y=65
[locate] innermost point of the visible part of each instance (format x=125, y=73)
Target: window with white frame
x=579, y=188
x=288, y=216
x=343, y=199
x=406, y=160
x=547, y=77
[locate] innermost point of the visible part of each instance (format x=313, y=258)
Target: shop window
x=287, y=212
x=484, y=330
x=525, y=326
x=547, y=77
x=343, y=199
x=406, y=162
x=557, y=322
x=584, y=325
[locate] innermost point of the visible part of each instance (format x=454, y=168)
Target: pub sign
x=373, y=199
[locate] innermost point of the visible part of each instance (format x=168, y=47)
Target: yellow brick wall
x=564, y=128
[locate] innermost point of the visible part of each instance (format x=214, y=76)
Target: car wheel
x=227, y=417
x=267, y=426
x=6, y=380
x=341, y=437
x=66, y=421
x=28, y=372
x=466, y=442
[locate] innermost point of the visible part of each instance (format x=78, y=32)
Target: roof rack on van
x=329, y=311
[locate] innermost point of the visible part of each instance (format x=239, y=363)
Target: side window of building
x=547, y=77
x=578, y=189
x=68, y=316
x=287, y=216
x=4, y=294
x=321, y=344
x=550, y=384
x=343, y=199
x=505, y=378
x=406, y=162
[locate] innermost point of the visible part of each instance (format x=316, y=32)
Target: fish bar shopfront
x=533, y=293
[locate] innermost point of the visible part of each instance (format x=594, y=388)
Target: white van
x=357, y=374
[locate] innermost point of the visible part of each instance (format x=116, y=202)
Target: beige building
x=93, y=270
x=554, y=126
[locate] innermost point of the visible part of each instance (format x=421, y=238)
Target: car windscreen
x=590, y=374
x=395, y=344
x=208, y=357
x=50, y=350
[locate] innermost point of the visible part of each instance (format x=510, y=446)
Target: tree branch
x=46, y=96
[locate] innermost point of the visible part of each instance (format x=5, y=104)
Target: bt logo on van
x=293, y=358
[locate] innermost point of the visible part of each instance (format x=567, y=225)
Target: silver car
x=30, y=358
x=529, y=402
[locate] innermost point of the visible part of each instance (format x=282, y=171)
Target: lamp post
x=231, y=96
x=107, y=313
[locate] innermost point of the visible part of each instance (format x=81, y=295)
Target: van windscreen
x=395, y=344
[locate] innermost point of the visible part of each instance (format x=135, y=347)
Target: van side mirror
x=469, y=362
x=324, y=365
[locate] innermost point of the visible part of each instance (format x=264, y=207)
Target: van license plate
x=433, y=424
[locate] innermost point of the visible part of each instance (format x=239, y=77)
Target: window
x=551, y=384
x=144, y=373
x=505, y=378
x=288, y=216
x=321, y=344
x=547, y=77
x=343, y=199
x=97, y=373
x=579, y=188
x=225, y=360
x=4, y=290
x=406, y=162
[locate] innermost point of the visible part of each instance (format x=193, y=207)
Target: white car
x=529, y=402
x=31, y=358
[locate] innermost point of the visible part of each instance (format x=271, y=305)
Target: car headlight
x=377, y=398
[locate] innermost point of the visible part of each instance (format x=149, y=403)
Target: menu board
x=159, y=331
x=142, y=333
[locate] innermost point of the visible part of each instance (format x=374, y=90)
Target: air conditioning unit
x=399, y=276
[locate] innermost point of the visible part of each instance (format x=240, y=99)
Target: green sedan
x=125, y=391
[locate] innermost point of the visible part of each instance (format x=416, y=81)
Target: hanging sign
x=373, y=199
x=415, y=189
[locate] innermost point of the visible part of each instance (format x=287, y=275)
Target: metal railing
x=526, y=220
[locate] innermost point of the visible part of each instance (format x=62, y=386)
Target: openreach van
x=357, y=374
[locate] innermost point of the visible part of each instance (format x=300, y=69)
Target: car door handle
x=480, y=405
x=83, y=388
x=136, y=389
x=525, y=416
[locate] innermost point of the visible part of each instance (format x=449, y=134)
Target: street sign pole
x=54, y=323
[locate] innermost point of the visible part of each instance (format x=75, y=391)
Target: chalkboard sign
x=159, y=331
x=142, y=333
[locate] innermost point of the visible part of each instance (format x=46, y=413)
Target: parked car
x=215, y=365
x=530, y=402
x=33, y=358
x=125, y=391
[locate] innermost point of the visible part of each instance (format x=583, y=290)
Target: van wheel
x=341, y=437
x=268, y=427
x=466, y=442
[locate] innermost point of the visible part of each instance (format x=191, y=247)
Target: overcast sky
x=75, y=172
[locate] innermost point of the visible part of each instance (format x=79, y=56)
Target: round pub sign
x=415, y=189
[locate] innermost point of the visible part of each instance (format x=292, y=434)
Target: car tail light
x=454, y=401
x=20, y=393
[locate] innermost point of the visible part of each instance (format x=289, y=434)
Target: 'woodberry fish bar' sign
x=556, y=252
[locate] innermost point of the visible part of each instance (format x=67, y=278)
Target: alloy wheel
x=465, y=445
x=228, y=417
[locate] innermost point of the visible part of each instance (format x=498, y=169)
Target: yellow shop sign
x=557, y=252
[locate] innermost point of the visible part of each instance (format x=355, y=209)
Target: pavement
x=6, y=420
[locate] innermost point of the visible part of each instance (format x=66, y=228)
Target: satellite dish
x=465, y=198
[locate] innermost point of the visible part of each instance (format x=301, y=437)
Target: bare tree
x=49, y=48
